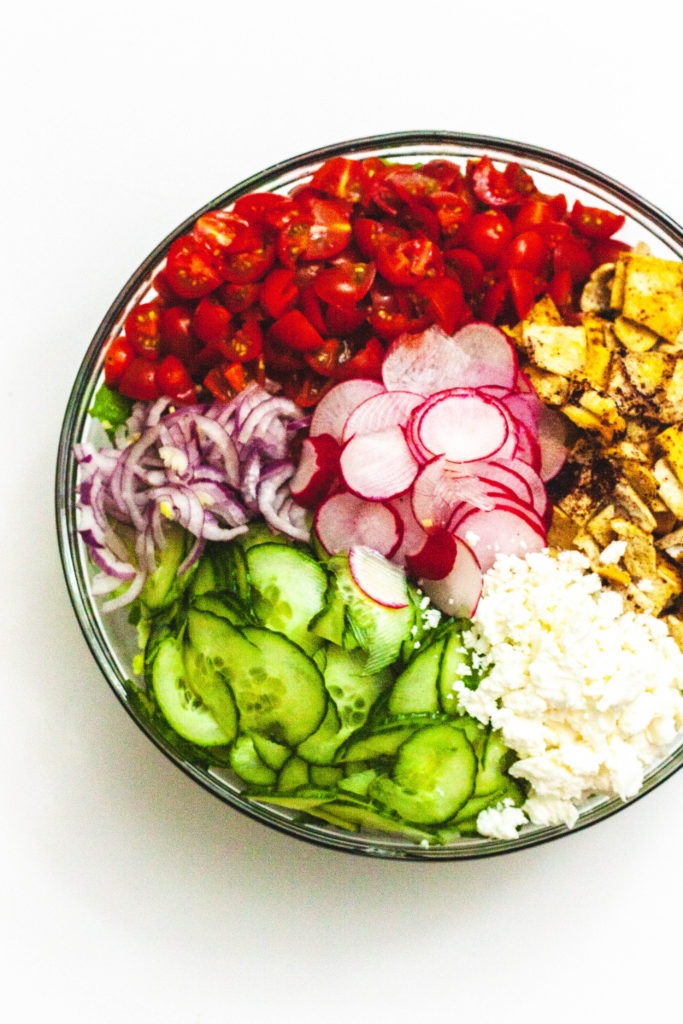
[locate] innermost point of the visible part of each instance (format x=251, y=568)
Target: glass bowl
x=112, y=640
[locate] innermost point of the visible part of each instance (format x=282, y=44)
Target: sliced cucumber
x=278, y=690
x=456, y=667
x=321, y=747
x=378, y=630
x=415, y=690
x=223, y=605
x=293, y=775
x=180, y=705
x=289, y=590
x=211, y=688
x=330, y=621
x=275, y=755
x=245, y=762
x=163, y=585
x=433, y=777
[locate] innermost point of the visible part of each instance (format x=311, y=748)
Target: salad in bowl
x=370, y=496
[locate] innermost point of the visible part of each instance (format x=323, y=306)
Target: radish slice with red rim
x=344, y=520
x=437, y=492
x=379, y=580
x=413, y=535
x=458, y=593
x=528, y=449
x=379, y=465
x=503, y=473
x=507, y=530
x=463, y=428
x=334, y=408
x=388, y=409
x=317, y=468
x=476, y=355
x=436, y=557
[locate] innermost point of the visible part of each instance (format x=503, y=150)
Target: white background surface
x=126, y=892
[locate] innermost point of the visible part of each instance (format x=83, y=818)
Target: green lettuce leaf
x=111, y=408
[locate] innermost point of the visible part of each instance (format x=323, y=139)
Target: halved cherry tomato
x=327, y=359
x=492, y=186
x=266, y=209
x=279, y=292
x=305, y=388
x=410, y=184
x=370, y=234
x=142, y=329
x=560, y=289
x=175, y=325
x=344, y=319
x=173, y=380
x=523, y=289
x=165, y=293
x=225, y=381
x=250, y=257
x=239, y=297
x=190, y=269
x=442, y=171
x=533, y=213
x=120, y=355
x=211, y=321
x=246, y=343
x=342, y=178
x=404, y=263
x=396, y=311
x=218, y=230
x=295, y=331
x=366, y=363
x=444, y=300
x=494, y=300
x=467, y=267
x=488, y=235
x=609, y=250
x=312, y=309
x=329, y=230
x=138, y=380
x=528, y=251
x=344, y=284
x=595, y=223
x=572, y=255
x=453, y=213
x=293, y=240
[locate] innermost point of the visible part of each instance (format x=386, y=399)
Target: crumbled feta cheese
x=501, y=821
x=585, y=691
x=613, y=552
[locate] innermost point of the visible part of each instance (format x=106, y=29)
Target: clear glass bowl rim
x=446, y=145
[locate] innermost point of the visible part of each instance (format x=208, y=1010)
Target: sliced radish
x=436, y=557
x=437, y=492
x=345, y=520
x=379, y=465
x=506, y=530
x=458, y=593
x=378, y=578
x=524, y=407
x=389, y=409
x=476, y=355
x=334, y=408
x=463, y=428
x=528, y=449
x=551, y=439
x=318, y=466
x=413, y=535
x=503, y=473
x=534, y=484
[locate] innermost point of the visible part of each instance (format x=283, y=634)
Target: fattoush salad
x=392, y=492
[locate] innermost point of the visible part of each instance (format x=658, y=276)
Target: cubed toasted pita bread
x=669, y=487
x=618, y=278
x=629, y=503
x=562, y=530
x=551, y=388
x=600, y=526
x=640, y=556
x=600, y=345
x=670, y=444
x=649, y=372
x=653, y=294
x=633, y=336
x=558, y=349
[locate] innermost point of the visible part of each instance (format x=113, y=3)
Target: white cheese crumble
x=586, y=692
x=613, y=553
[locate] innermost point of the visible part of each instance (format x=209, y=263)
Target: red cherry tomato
x=444, y=300
x=279, y=292
x=443, y=171
x=142, y=328
x=342, y=178
x=532, y=214
x=250, y=257
x=370, y=234
x=344, y=284
x=528, y=251
x=327, y=359
x=453, y=213
x=305, y=388
x=404, y=263
x=190, y=269
x=560, y=289
x=344, y=320
x=211, y=321
x=118, y=357
x=239, y=297
x=572, y=255
x=176, y=331
x=492, y=186
x=494, y=301
x=219, y=230
x=366, y=363
x=295, y=331
x=329, y=231
x=609, y=250
x=138, y=380
x=523, y=289
x=594, y=223
x=293, y=240
x=266, y=209
x=468, y=269
x=246, y=343
x=173, y=380
x=488, y=235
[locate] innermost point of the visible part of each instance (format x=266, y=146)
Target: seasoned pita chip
x=600, y=345
x=670, y=444
x=669, y=487
x=653, y=294
x=562, y=530
x=551, y=388
x=634, y=336
x=649, y=371
x=631, y=505
x=618, y=278
x=640, y=556
x=595, y=297
x=558, y=349
x=675, y=627
x=600, y=526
